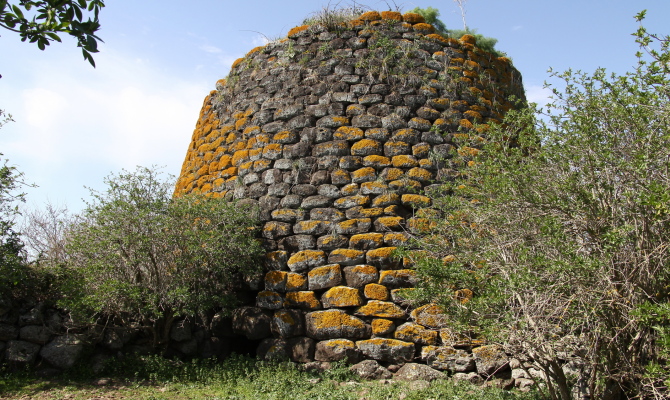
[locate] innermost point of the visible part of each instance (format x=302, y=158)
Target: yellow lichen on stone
x=424, y=28
x=393, y=174
x=348, y=133
x=415, y=200
x=370, y=16
x=303, y=299
x=365, y=147
x=347, y=253
x=364, y=173
x=391, y=15
x=376, y=239
x=382, y=326
x=375, y=291
x=341, y=296
x=404, y=161
x=335, y=319
x=307, y=255
x=413, y=18
x=390, y=222
x=376, y=161
x=420, y=174
x=381, y=309
x=297, y=30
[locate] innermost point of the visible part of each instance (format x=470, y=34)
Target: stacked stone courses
x=338, y=134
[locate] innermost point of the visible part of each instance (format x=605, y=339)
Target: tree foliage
x=42, y=22
x=559, y=222
x=140, y=256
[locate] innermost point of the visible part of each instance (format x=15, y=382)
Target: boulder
x=370, y=369
x=448, y=359
x=21, y=352
x=63, y=352
x=332, y=324
x=336, y=350
x=389, y=350
x=287, y=323
x=490, y=359
x=251, y=322
x=418, y=372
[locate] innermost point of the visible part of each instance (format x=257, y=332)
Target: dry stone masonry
x=338, y=134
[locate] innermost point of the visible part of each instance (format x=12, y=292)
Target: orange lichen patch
x=255, y=154
x=381, y=253
x=308, y=256
x=229, y=172
x=347, y=253
x=384, y=200
x=335, y=319
x=463, y=295
x=465, y=124
x=376, y=161
x=218, y=182
x=341, y=296
x=420, y=150
x=392, y=174
x=251, y=130
x=304, y=299
x=371, y=212
x=366, y=240
x=439, y=103
x=349, y=189
x=431, y=316
x=469, y=64
x=356, y=23
x=416, y=334
x=245, y=167
x=373, y=187
x=470, y=74
x=275, y=278
x=473, y=115
x=376, y=291
x=366, y=147
x=438, y=38
x=221, y=82
x=389, y=222
x=231, y=137
x=370, y=16
x=413, y=18
x=466, y=81
x=424, y=28
x=239, y=157
x=468, y=151
x=254, y=50
x=237, y=62
x=392, y=15
x=415, y=200
x=504, y=60
x=240, y=123
x=207, y=187
x=348, y=133
x=367, y=173
x=382, y=326
x=295, y=281
x=381, y=309
x=208, y=157
x=202, y=171
x=297, y=30
x=272, y=151
x=404, y=161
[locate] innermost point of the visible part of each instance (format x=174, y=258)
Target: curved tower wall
x=337, y=134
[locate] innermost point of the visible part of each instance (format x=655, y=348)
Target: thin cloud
x=209, y=49
x=538, y=94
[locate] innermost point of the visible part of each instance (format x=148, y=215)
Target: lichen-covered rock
x=273, y=349
x=305, y=300
x=447, y=358
x=418, y=372
x=381, y=326
x=490, y=359
x=388, y=350
x=375, y=291
x=306, y=259
x=370, y=370
x=360, y=275
x=399, y=278
x=341, y=296
x=63, y=352
x=382, y=258
x=380, y=309
x=416, y=333
x=336, y=350
x=287, y=323
x=346, y=257
x=251, y=322
x=324, y=277
x=269, y=300
x=333, y=324
x=431, y=316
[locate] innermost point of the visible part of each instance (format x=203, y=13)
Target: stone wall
x=338, y=134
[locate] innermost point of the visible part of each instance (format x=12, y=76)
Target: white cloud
x=517, y=27
x=209, y=49
x=538, y=94
x=75, y=124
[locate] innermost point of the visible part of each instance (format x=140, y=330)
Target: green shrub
x=140, y=256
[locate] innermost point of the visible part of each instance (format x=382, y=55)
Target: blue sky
x=76, y=124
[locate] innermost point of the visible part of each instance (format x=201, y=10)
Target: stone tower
x=337, y=133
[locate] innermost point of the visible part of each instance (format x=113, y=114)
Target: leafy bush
x=139, y=255
x=560, y=225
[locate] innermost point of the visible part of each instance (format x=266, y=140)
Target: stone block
x=394, y=279
x=380, y=309
x=353, y=226
x=366, y=241
x=341, y=296
x=346, y=257
x=287, y=323
x=251, y=322
x=415, y=333
x=388, y=350
x=276, y=260
x=21, y=352
x=301, y=349
x=312, y=227
x=445, y=358
x=273, y=350
x=306, y=259
x=295, y=282
x=276, y=281
x=269, y=300
x=431, y=316
x=418, y=372
x=336, y=350
x=382, y=258
x=333, y=324
x=324, y=277
x=375, y=291
x=305, y=300
x=360, y=275
x=381, y=326
x=351, y=201
x=63, y=352
x=297, y=243
x=331, y=242
x=490, y=359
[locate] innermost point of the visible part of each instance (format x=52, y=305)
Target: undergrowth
x=237, y=378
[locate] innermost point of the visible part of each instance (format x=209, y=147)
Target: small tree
x=560, y=226
x=141, y=256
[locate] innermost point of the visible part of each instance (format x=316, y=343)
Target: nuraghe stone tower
x=337, y=134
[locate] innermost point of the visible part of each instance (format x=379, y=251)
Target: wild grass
x=238, y=378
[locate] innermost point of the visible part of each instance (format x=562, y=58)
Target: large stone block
x=388, y=350
x=287, y=323
x=336, y=350
x=251, y=322
x=341, y=296
x=333, y=324
x=324, y=277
